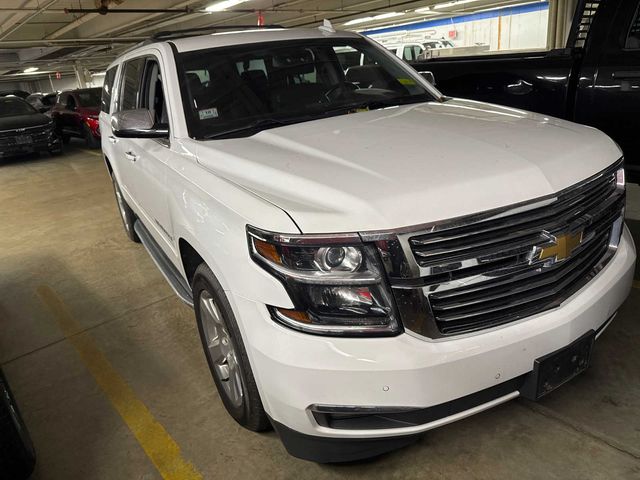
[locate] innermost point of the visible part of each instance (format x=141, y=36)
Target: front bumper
x=295, y=371
x=49, y=142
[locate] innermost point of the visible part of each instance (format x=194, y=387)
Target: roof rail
x=190, y=32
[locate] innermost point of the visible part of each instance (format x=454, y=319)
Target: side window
x=151, y=93
x=416, y=51
x=407, y=54
x=130, y=85
x=107, y=87
x=71, y=102
x=62, y=99
x=633, y=38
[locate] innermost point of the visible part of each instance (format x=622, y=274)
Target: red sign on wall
x=58, y=75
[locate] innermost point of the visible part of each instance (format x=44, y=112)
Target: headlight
x=335, y=283
x=620, y=179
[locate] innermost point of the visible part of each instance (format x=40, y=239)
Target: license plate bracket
x=557, y=368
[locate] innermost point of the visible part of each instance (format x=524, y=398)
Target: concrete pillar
x=79, y=75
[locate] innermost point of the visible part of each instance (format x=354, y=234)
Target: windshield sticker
x=208, y=113
x=406, y=81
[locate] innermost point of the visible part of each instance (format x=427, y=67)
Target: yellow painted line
x=636, y=284
x=161, y=449
x=91, y=152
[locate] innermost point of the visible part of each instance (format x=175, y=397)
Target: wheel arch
x=190, y=259
x=108, y=164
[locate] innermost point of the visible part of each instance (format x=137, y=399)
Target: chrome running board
x=168, y=270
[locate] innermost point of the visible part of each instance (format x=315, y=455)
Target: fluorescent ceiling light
x=220, y=6
x=454, y=3
x=30, y=70
x=382, y=16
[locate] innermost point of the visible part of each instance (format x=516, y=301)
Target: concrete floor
x=60, y=228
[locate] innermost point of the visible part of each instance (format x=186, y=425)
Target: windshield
x=239, y=90
x=89, y=98
x=10, y=106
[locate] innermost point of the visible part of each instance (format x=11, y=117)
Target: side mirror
x=137, y=123
x=429, y=77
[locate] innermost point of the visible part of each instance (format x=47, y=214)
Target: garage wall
x=510, y=28
x=14, y=85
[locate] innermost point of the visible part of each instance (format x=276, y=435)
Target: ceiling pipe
x=81, y=20
x=146, y=19
x=244, y=13
x=106, y=10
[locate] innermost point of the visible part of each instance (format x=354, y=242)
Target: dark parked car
x=595, y=80
x=24, y=130
x=15, y=93
x=76, y=115
x=17, y=455
x=43, y=102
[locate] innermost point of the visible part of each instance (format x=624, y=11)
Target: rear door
x=56, y=111
x=153, y=154
x=608, y=96
x=127, y=99
x=108, y=139
x=72, y=119
x=144, y=160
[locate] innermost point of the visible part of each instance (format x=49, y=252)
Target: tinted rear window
x=107, y=89
x=89, y=98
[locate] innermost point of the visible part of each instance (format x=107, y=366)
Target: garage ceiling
x=55, y=35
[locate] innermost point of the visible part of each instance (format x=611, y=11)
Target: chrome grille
x=38, y=134
x=486, y=270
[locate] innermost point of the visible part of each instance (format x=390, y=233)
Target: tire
x=92, y=142
x=126, y=214
x=54, y=152
x=65, y=139
x=17, y=455
x=246, y=408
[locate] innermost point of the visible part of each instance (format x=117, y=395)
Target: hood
x=408, y=165
x=23, y=121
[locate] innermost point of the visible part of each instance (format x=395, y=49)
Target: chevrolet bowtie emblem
x=563, y=246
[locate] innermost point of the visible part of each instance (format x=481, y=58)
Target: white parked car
x=366, y=258
x=407, y=51
x=438, y=43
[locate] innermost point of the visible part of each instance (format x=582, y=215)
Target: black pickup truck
x=595, y=80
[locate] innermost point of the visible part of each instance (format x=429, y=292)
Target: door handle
x=112, y=139
x=131, y=156
x=521, y=87
x=627, y=74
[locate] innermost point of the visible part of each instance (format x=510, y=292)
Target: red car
x=76, y=115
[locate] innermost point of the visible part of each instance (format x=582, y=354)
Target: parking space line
x=161, y=449
x=91, y=152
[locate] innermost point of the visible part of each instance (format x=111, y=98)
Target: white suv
x=367, y=259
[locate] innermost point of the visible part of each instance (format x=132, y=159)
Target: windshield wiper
x=372, y=104
x=257, y=125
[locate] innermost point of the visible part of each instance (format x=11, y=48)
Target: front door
x=148, y=157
